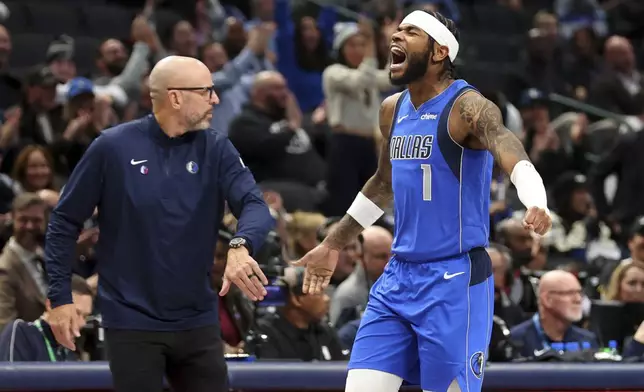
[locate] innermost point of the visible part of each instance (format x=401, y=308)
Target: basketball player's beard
x=416, y=68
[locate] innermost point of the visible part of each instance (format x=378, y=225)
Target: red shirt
x=228, y=329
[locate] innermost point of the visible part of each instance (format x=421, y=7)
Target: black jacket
x=286, y=341
x=274, y=151
x=22, y=342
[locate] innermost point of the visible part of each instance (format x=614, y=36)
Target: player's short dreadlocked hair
x=448, y=70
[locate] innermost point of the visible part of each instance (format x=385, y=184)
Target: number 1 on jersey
x=427, y=181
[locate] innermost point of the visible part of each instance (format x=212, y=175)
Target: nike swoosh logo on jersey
x=402, y=118
x=134, y=163
x=450, y=276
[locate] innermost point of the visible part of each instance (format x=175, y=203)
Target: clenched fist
x=537, y=220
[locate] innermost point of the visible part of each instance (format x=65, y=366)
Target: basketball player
x=429, y=315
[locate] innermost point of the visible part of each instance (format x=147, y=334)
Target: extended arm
x=482, y=119
x=375, y=194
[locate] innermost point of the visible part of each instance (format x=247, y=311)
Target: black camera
x=272, y=263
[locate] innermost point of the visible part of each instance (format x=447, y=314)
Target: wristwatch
x=238, y=242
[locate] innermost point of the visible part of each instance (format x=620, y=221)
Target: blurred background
x=300, y=84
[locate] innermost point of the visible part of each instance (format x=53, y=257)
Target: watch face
x=236, y=242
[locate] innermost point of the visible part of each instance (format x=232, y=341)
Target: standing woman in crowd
x=302, y=52
x=352, y=88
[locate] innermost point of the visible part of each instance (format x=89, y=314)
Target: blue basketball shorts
x=429, y=323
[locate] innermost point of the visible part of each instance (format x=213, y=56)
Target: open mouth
x=398, y=55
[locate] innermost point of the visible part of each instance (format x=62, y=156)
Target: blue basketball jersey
x=441, y=189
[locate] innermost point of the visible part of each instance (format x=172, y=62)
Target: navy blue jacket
x=21, y=341
x=160, y=202
x=531, y=339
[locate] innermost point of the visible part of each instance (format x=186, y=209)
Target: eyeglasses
x=567, y=293
x=201, y=90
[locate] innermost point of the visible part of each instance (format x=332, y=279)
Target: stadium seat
x=29, y=49
x=484, y=76
x=500, y=20
x=53, y=19
x=164, y=20
x=491, y=47
x=86, y=49
x=102, y=21
x=18, y=21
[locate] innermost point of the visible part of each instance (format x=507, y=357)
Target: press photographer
x=237, y=314
x=297, y=330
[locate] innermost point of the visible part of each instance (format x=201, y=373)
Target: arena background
x=565, y=73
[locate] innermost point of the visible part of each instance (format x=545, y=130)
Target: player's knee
x=360, y=380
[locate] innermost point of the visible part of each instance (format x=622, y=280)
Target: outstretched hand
x=244, y=272
x=320, y=264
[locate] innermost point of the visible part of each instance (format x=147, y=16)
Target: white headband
x=435, y=29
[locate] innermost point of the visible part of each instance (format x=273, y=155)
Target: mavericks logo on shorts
x=477, y=362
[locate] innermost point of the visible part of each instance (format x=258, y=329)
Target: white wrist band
x=529, y=185
x=364, y=211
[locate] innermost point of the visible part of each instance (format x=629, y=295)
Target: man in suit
x=621, y=87
x=23, y=282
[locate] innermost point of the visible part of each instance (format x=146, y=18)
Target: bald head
x=374, y=235
x=557, y=280
x=560, y=296
x=617, y=42
x=265, y=79
x=182, y=94
x=270, y=92
x=376, y=250
x=619, y=54
x=177, y=71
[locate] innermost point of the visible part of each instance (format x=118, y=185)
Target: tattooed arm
x=377, y=188
x=482, y=119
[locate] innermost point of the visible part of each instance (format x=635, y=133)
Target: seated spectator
x=508, y=311
x=34, y=341
x=350, y=298
x=577, y=234
x=33, y=170
x=626, y=283
x=635, y=347
x=528, y=259
x=23, y=280
x=620, y=88
x=268, y=135
x=560, y=305
x=296, y=331
x=302, y=229
x=235, y=310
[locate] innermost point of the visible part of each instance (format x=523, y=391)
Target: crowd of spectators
x=300, y=87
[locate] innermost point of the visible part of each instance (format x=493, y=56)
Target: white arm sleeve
x=529, y=185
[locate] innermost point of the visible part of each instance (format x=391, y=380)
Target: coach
x=160, y=184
